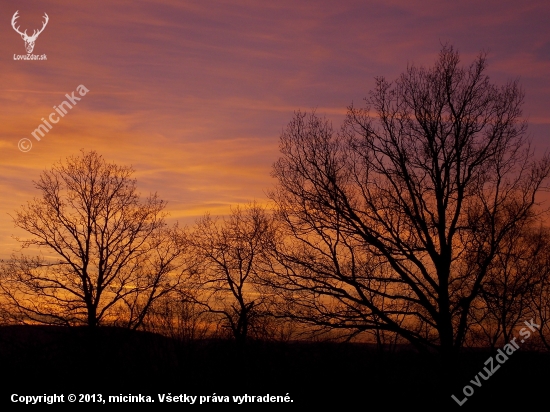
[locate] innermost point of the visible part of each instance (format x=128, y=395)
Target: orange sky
x=194, y=94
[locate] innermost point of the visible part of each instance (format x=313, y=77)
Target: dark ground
x=37, y=360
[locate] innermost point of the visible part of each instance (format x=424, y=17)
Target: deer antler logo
x=29, y=40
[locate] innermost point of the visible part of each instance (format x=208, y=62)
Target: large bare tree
x=398, y=216
x=104, y=254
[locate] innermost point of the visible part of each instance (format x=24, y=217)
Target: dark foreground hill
x=38, y=360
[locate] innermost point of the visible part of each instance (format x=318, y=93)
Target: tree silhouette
x=105, y=255
x=514, y=276
x=178, y=316
x=398, y=217
x=232, y=250
x=539, y=301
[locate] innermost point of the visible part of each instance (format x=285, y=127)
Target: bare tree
x=539, y=302
x=398, y=217
x=513, y=277
x=105, y=256
x=178, y=316
x=232, y=250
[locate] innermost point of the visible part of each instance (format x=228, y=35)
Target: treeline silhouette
x=250, y=274
x=417, y=224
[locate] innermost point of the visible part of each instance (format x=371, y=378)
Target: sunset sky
x=194, y=94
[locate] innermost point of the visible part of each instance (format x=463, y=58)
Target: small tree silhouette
x=232, y=250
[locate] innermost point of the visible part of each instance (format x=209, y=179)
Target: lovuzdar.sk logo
x=29, y=40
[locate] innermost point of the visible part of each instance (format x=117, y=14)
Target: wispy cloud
x=195, y=94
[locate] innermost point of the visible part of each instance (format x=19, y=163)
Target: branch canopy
x=104, y=250
x=399, y=214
